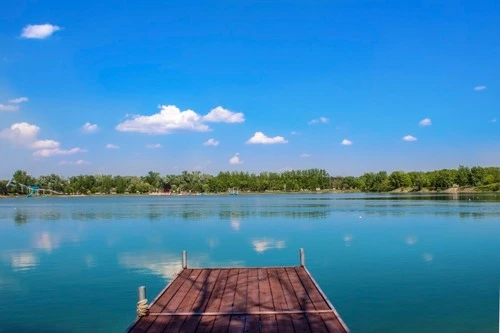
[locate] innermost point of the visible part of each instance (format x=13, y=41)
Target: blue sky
x=348, y=86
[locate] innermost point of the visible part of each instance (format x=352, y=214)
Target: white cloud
x=425, y=122
x=39, y=31
x=78, y=162
x=112, y=146
x=57, y=151
x=45, y=144
x=346, y=142
x=22, y=132
x=479, y=88
x=6, y=107
x=322, y=120
x=90, y=128
x=18, y=100
x=221, y=115
x=235, y=160
x=409, y=138
x=305, y=155
x=261, y=138
x=264, y=244
x=169, y=119
x=25, y=135
x=154, y=146
x=211, y=142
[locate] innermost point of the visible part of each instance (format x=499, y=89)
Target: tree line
x=481, y=178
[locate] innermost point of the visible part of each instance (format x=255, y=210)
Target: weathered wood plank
x=318, y=301
x=207, y=322
x=187, y=303
x=191, y=323
x=299, y=324
x=163, y=300
x=172, y=306
x=252, y=323
x=221, y=324
x=332, y=322
x=284, y=322
x=237, y=322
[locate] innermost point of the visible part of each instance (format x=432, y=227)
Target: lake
x=388, y=263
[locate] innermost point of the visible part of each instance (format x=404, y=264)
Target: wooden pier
x=272, y=299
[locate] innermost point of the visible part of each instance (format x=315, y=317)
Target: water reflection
x=161, y=264
x=263, y=244
x=46, y=241
x=23, y=261
x=428, y=257
x=20, y=217
x=411, y=240
x=348, y=240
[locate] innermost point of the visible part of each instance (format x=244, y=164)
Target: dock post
x=142, y=304
x=184, y=259
x=302, y=257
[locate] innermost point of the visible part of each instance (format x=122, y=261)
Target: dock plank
x=252, y=323
x=299, y=324
x=275, y=299
x=237, y=322
x=191, y=323
x=284, y=321
x=207, y=322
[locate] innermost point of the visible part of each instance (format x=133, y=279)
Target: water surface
x=388, y=263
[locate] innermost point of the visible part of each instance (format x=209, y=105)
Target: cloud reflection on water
x=263, y=244
x=23, y=261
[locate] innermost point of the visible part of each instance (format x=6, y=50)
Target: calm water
x=388, y=263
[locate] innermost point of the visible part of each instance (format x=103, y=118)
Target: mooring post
x=142, y=293
x=184, y=259
x=302, y=257
x=142, y=304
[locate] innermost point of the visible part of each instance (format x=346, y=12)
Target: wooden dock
x=275, y=299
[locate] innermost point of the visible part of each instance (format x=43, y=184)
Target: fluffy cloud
x=235, y=160
x=78, y=162
x=425, y=122
x=39, y=31
x=112, y=146
x=154, y=146
x=90, y=128
x=322, y=120
x=45, y=144
x=346, y=142
x=25, y=135
x=169, y=119
x=479, y=88
x=211, y=142
x=305, y=155
x=221, y=115
x=18, y=100
x=6, y=107
x=409, y=138
x=261, y=138
x=58, y=151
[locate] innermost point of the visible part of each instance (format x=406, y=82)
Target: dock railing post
x=184, y=260
x=142, y=304
x=302, y=257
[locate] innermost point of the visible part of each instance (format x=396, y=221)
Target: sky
x=103, y=87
